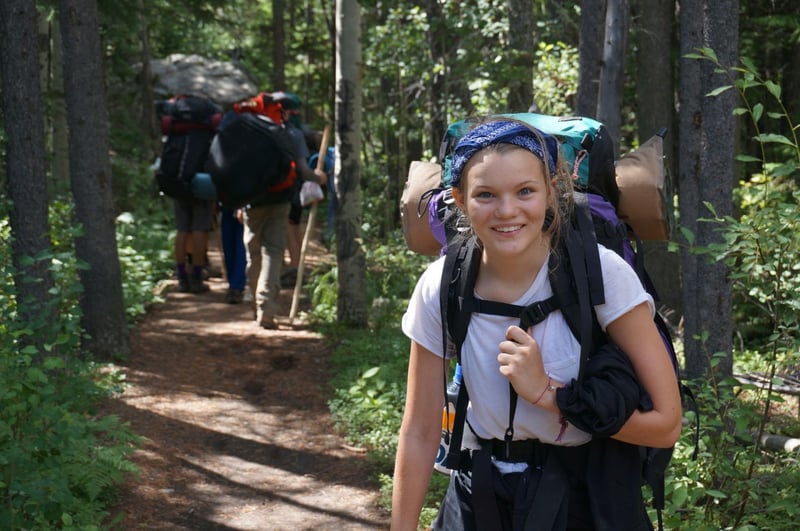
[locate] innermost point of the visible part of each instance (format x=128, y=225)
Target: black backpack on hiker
x=252, y=161
x=189, y=124
x=575, y=276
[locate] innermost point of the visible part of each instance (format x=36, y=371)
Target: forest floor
x=238, y=435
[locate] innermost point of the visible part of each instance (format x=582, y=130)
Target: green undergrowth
x=61, y=458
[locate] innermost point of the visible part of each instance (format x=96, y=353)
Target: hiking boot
x=288, y=278
x=268, y=323
x=183, y=285
x=234, y=296
x=197, y=285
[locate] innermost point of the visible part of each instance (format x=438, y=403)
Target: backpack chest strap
x=530, y=315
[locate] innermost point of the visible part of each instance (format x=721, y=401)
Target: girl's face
x=505, y=197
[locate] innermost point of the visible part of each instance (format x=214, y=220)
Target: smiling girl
x=508, y=183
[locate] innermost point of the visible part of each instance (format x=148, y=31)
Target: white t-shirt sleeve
x=422, y=321
x=623, y=289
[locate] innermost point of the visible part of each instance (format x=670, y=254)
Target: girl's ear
x=458, y=198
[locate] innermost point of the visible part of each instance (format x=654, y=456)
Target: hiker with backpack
x=523, y=461
x=188, y=124
x=267, y=220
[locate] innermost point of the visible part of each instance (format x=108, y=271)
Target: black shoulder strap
x=457, y=304
x=460, y=258
x=590, y=255
x=576, y=277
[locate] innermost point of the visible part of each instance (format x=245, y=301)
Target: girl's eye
x=484, y=195
x=526, y=191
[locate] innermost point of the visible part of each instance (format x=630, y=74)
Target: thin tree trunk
x=350, y=256
x=656, y=109
x=521, y=43
x=147, y=117
x=609, y=99
x=592, y=24
x=58, y=135
x=102, y=304
x=25, y=163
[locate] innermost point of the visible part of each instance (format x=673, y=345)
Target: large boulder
x=222, y=82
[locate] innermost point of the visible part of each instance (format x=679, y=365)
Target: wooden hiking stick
x=298, y=283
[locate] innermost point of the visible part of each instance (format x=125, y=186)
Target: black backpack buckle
x=536, y=313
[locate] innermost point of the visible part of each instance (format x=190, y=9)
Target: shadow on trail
x=237, y=426
x=341, y=516
x=163, y=430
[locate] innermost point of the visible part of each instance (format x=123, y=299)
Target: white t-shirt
x=488, y=389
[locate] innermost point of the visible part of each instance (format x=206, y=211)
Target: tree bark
x=521, y=44
x=147, y=116
x=656, y=109
x=706, y=170
x=609, y=97
x=25, y=162
x=350, y=256
x=56, y=123
x=102, y=303
x=592, y=24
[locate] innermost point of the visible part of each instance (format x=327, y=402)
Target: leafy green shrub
x=59, y=459
x=369, y=389
x=372, y=408
x=144, y=260
x=392, y=272
x=556, y=77
x=734, y=483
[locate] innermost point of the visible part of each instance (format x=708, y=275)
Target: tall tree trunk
x=609, y=97
x=90, y=171
x=707, y=145
x=592, y=24
x=654, y=82
x=656, y=109
x=278, y=46
x=56, y=132
x=147, y=117
x=521, y=44
x=25, y=161
x=437, y=90
x=350, y=256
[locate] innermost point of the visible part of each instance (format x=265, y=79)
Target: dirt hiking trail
x=238, y=432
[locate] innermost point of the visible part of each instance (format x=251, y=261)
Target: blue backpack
x=585, y=144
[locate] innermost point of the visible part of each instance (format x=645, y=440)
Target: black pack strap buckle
x=537, y=312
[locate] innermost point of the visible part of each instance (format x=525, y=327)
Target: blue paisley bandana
x=497, y=132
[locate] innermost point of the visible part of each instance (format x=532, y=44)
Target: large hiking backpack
x=576, y=275
x=189, y=124
x=251, y=160
x=637, y=186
